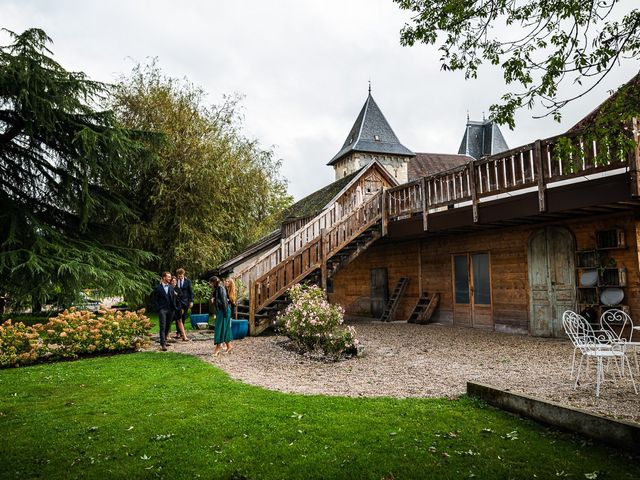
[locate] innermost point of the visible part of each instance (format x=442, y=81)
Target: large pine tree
x=60, y=158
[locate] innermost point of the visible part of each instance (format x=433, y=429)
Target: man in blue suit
x=185, y=301
x=164, y=302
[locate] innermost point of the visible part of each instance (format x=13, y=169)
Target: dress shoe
x=164, y=348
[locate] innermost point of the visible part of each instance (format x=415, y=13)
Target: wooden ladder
x=425, y=306
x=394, y=300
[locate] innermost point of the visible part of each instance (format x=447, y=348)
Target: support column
x=425, y=205
x=474, y=191
x=542, y=188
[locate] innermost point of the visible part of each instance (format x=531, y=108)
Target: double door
x=472, y=304
x=551, y=280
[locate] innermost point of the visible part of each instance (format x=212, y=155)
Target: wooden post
x=542, y=188
x=634, y=161
x=252, y=307
x=383, y=209
x=323, y=261
x=425, y=205
x=474, y=190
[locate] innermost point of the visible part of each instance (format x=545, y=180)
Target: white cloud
x=303, y=67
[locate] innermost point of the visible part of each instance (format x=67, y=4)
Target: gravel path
x=406, y=360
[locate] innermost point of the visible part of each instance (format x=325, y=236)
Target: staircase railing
x=313, y=254
x=293, y=243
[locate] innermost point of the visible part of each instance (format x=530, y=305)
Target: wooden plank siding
x=428, y=262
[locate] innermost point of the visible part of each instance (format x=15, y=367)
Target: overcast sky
x=302, y=65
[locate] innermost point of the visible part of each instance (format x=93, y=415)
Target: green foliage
x=210, y=190
x=60, y=218
x=70, y=334
x=315, y=325
x=109, y=417
x=201, y=291
x=537, y=43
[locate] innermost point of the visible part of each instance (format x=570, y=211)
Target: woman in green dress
x=223, y=321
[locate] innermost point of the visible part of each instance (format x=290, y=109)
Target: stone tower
x=371, y=138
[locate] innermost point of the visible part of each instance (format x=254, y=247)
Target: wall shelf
x=606, y=274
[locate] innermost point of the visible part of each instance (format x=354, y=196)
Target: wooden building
x=505, y=242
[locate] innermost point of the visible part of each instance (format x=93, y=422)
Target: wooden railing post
x=474, y=190
x=253, y=298
x=634, y=161
x=323, y=260
x=537, y=160
x=425, y=205
x=385, y=214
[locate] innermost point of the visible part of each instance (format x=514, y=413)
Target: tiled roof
x=314, y=203
x=425, y=164
x=482, y=139
x=629, y=93
x=371, y=133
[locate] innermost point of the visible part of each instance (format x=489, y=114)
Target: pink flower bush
x=315, y=325
x=71, y=334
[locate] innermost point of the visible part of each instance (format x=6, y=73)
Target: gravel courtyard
x=406, y=360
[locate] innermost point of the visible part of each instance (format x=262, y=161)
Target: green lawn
x=166, y=415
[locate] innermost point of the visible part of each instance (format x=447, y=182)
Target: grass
x=155, y=415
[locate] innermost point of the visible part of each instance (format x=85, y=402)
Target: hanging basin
x=198, y=319
x=612, y=296
x=239, y=328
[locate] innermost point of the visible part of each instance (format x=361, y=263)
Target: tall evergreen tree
x=60, y=156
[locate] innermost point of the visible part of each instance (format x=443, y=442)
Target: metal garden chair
x=591, y=345
x=620, y=325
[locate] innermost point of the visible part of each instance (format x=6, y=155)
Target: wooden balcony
x=537, y=182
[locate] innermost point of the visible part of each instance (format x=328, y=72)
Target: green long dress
x=223, y=328
x=223, y=322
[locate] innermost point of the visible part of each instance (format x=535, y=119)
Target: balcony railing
x=534, y=166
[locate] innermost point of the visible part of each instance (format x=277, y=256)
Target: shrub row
x=315, y=325
x=71, y=334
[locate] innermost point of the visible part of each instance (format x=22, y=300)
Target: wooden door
x=379, y=291
x=552, y=287
x=472, y=290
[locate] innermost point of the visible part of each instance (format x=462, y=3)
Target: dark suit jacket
x=161, y=300
x=186, y=292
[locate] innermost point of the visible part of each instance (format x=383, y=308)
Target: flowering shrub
x=313, y=324
x=72, y=333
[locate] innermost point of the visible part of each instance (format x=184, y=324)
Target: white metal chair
x=600, y=346
x=620, y=325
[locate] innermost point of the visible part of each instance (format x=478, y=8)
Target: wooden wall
x=427, y=263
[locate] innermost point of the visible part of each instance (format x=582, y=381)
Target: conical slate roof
x=371, y=133
x=482, y=139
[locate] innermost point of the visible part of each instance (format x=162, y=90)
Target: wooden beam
x=425, y=205
x=253, y=291
x=385, y=213
x=474, y=190
x=537, y=160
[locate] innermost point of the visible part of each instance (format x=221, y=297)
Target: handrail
x=533, y=165
x=295, y=242
x=297, y=266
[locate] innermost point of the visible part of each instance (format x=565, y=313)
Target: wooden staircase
x=425, y=306
x=391, y=307
x=318, y=258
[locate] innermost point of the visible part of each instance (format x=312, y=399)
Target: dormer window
x=376, y=138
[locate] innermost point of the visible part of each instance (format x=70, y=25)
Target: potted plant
x=201, y=294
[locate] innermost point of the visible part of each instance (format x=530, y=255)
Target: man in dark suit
x=163, y=301
x=185, y=288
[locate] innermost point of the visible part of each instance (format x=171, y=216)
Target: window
x=376, y=138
